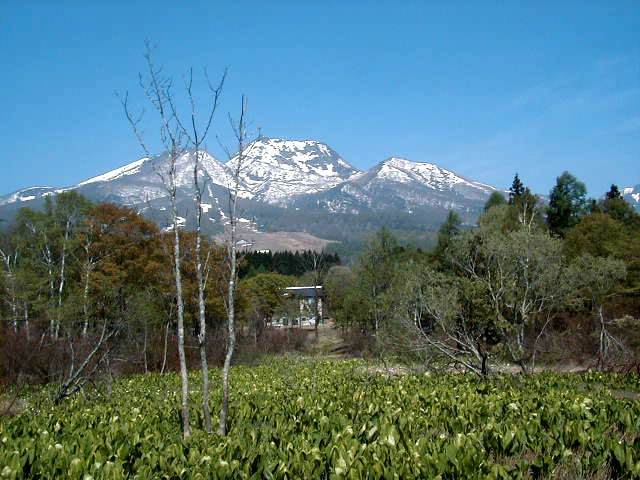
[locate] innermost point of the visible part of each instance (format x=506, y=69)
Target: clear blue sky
x=483, y=88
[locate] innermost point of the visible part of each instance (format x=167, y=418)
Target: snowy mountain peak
x=632, y=195
x=129, y=169
x=402, y=170
x=278, y=169
x=305, y=175
x=212, y=169
x=28, y=194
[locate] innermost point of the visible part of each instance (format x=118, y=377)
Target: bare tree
x=158, y=91
x=178, y=139
x=196, y=138
x=79, y=375
x=239, y=164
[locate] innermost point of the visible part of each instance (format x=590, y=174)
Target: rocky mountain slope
x=287, y=185
x=404, y=185
x=275, y=170
x=632, y=195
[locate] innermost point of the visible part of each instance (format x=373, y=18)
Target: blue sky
x=482, y=88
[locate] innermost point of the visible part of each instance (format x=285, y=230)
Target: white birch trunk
x=202, y=335
x=26, y=321
x=6, y=259
x=240, y=133
x=230, y=323
x=164, y=355
x=62, y=277
x=602, y=350
x=85, y=303
x=49, y=262
x=186, y=429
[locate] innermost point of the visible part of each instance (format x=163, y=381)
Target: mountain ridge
x=288, y=185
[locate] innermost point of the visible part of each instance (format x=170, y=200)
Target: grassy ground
x=308, y=418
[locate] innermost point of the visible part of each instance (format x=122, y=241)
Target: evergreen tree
x=613, y=192
x=449, y=229
x=566, y=203
x=516, y=190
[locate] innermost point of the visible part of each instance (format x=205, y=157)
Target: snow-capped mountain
x=28, y=194
x=632, y=195
x=285, y=185
x=276, y=170
x=401, y=184
x=142, y=180
x=137, y=182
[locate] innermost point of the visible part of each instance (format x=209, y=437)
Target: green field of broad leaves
x=335, y=419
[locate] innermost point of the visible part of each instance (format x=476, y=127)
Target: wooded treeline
x=528, y=283
x=89, y=287
x=80, y=276
x=284, y=262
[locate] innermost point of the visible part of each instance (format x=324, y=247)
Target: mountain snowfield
x=130, y=169
x=632, y=195
x=286, y=185
x=401, y=185
x=274, y=170
x=28, y=194
x=402, y=170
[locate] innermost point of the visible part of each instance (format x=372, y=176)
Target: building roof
x=309, y=291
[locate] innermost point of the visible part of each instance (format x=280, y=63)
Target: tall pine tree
x=516, y=190
x=613, y=192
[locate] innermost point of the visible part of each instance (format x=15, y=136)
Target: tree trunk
x=164, y=355
x=14, y=310
x=144, y=348
x=202, y=334
x=85, y=305
x=11, y=280
x=316, y=308
x=240, y=134
x=186, y=429
x=62, y=277
x=231, y=325
x=26, y=321
x=602, y=349
x=49, y=261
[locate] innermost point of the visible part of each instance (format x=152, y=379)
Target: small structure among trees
x=310, y=300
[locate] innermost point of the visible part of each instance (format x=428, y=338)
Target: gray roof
x=309, y=291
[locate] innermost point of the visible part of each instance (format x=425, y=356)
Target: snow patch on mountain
x=299, y=175
x=275, y=170
x=135, y=194
x=28, y=194
x=402, y=170
x=129, y=169
x=211, y=169
x=632, y=195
